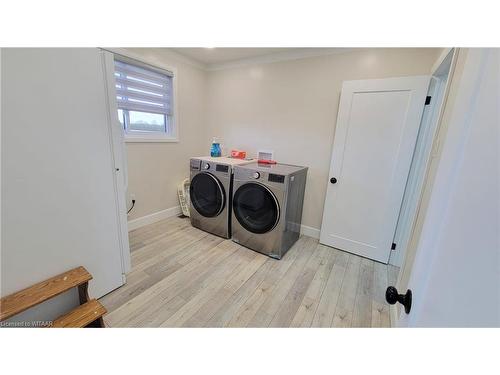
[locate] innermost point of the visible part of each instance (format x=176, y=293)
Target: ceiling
x=210, y=56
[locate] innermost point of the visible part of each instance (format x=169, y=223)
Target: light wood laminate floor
x=184, y=277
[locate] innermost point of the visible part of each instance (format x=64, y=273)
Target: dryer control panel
x=271, y=179
x=276, y=178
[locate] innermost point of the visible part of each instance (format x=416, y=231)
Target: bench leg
x=98, y=323
x=83, y=293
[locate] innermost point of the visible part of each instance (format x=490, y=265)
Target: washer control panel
x=222, y=168
x=195, y=164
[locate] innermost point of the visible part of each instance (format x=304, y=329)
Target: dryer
x=210, y=193
x=267, y=206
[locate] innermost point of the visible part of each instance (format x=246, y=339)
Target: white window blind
x=144, y=98
x=139, y=89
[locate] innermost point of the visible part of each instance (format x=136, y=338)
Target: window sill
x=149, y=139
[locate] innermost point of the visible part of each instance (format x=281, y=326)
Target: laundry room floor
x=184, y=277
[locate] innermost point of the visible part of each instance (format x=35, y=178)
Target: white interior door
x=377, y=127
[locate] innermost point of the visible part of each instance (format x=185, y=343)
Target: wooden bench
x=88, y=314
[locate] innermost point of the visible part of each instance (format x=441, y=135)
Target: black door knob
x=333, y=180
x=392, y=296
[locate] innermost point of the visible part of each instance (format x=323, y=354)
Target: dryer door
x=207, y=194
x=256, y=208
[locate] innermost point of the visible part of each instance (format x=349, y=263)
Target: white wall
x=59, y=207
x=155, y=169
x=259, y=106
x=456, y=274
x=291, y=107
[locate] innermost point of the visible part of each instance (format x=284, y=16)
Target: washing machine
x=267, y=206
x=211, y=193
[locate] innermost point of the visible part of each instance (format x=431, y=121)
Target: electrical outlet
x=132, y=197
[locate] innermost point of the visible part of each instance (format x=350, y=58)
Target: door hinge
x=393, y=246
x=428, y=100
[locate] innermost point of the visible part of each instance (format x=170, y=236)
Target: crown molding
x=185, y=59
x=297, y=54
x=156, y=61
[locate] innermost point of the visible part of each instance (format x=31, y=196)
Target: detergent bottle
x=215, y=150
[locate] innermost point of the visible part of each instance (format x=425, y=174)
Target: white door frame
x=119, y=155
x=423, y=194
x=409, y=207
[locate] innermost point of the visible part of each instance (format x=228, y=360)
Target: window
x=144, y=98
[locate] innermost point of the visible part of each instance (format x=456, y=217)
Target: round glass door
x=256, y=208
x=207, y=195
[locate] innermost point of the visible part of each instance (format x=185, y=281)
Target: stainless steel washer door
x=256, y=208
x=207, y=194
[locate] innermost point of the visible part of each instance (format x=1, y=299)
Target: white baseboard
x=309, y=231
x=153, y=218
x=174, y=211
